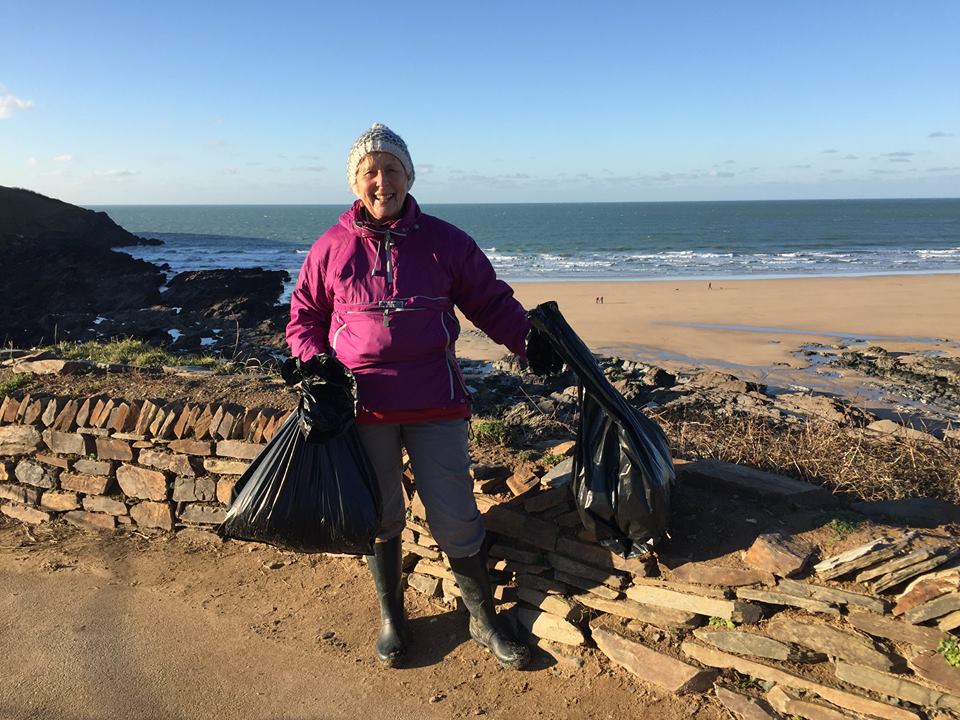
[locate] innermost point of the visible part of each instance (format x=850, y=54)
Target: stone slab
x=933, y=667
x=203, y=514
x=949, y=622
x=869, y=560
x=896, y=630
x=191, y=447
x=927, y=587
x=152, y=514
x=57, y=501
x=53, y=461
x=19, y=493
x=25, y=514
x=239, y=449
x=897, y=563
x=19, y=439
x=553, y=604
x=830, y=641
x=705, y=574
x=225, y=487
x=895, y=686
x=665, y=618
x=842, y=698
x=173, y=462
x=30, y=472
x=599, y=556
x=774, y=597
x=101, y=504
x=224, y=467
x=66, y=443
x=110, y=449
x=782, y=555
x=743, y=706
x=651, y=666
x=429, y=586
x=719, y=475
x=933, y=609
x=550, y=627
x=591, y=586
x=90, y=521
x=568, y=565
x=848, y=556
x=137, y=482
x=546, y=500
x=832, y=595
x=735, y=610
x=901, y=576
x=793, y=707
x=560, y=475
x=747, y=643
x=88, y=484
x=520, y=526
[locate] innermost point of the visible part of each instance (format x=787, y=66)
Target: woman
x=377, y=292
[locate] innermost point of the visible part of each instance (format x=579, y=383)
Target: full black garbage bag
x=312, y=487
x=622, y=469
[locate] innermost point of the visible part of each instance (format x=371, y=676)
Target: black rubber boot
x=385, y=566
x=485, y=626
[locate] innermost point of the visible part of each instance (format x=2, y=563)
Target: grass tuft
x=950, y=649
x=19, y=381
x=130, y=351
x=490, y=432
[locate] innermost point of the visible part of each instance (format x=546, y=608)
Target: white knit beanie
x=379, y=138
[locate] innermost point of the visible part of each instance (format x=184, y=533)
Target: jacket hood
x=353, y=219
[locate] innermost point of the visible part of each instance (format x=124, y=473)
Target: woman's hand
x=327, y=395
x=541, y=357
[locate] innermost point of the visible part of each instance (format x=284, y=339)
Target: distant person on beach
x=377, y=292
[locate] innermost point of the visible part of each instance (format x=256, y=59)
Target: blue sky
x=256, y=102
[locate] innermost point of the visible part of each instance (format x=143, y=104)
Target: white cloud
x=66, y=157
x=9, y=104
x=117, y=173
x=32, y=161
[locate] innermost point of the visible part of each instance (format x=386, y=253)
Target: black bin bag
x=622, y=469
x=311, y=488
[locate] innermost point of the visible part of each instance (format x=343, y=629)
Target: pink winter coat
x=381, y=300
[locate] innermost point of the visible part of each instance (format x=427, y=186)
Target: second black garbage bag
x=312, y=487
x=622, y=469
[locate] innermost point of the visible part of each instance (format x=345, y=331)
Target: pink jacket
x=381, y=300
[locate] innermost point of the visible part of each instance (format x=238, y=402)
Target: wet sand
x=751, y=327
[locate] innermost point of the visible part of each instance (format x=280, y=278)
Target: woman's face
x=381, y=185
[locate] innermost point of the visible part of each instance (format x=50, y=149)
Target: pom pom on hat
x=379, y=138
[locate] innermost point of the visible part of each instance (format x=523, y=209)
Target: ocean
x=593, y=241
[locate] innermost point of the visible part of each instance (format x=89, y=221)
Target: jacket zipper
x=389, y=244
x=446, y=352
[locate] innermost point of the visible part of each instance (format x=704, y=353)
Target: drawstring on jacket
x=384, y=245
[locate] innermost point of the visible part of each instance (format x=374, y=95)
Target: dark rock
x=247, y=295
x=43, y=241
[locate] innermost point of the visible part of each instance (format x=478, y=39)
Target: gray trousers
x=441, y=467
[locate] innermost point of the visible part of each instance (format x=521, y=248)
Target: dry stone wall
x=100, y=462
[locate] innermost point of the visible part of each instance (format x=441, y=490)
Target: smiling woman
x=377, y=293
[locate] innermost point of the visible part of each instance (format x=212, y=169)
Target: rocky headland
x=62, y=280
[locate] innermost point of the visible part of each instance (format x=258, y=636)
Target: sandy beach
x=752, y=327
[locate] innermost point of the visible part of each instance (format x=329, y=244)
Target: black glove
x=327, y=395
x=541, y=356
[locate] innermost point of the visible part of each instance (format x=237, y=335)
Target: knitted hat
x=379, y=138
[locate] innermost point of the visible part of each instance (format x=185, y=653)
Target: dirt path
x=96, y=626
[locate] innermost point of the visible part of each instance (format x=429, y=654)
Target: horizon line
x=569, y=202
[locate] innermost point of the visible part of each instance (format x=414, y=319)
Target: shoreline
x=760, y=330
